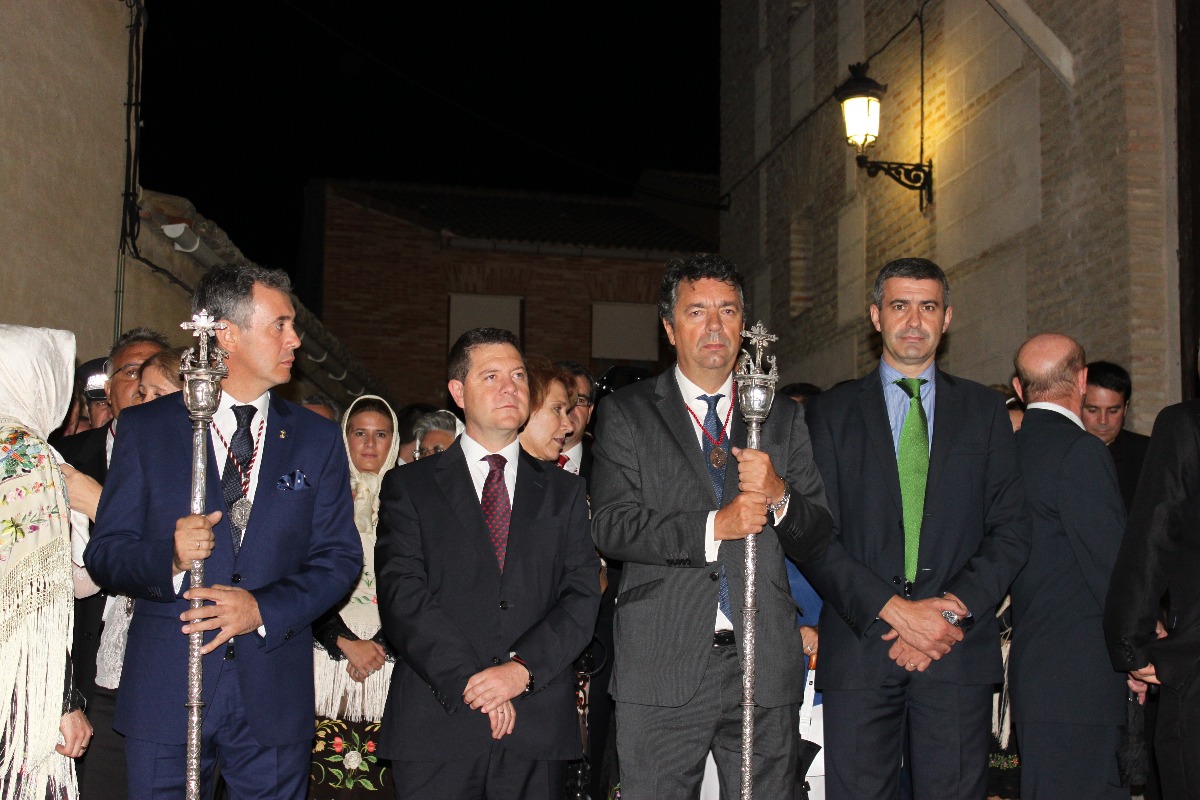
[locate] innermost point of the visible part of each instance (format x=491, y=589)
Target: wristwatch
x=962, y=623
x=513, y=656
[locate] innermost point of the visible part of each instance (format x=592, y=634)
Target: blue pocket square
x=294, y=480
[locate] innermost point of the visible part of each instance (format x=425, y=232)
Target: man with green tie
x=928, y=532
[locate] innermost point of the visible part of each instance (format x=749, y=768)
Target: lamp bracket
x=910, y=176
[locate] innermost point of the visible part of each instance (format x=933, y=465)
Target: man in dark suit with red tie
x=488, y=591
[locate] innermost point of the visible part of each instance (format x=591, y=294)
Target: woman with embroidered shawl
x=42, y=731
x=353, y=662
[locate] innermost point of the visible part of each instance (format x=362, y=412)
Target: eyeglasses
x=425, y=452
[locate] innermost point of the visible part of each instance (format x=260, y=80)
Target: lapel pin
x=282, y=433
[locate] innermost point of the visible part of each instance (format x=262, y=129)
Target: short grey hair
x=131, y=337
x=435, y=421
x=225, y=291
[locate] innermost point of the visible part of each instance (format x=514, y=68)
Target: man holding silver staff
x=674, y=496
x=929, y=530
x=279, y=547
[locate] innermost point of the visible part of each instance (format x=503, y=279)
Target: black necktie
x=237, y=462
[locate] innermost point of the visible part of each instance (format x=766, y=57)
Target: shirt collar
x=260, y=403
x=889, y=374
x=574, y=453
x=475, y=452
x=1066, y=412
x=691, y=391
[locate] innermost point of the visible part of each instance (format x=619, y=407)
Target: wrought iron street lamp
x=860, y=98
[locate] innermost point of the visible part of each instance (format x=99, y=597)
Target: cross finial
x=203, y=326
x=759, y=337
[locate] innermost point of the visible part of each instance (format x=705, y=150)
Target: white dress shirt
x=475, y=453
x=574, y=458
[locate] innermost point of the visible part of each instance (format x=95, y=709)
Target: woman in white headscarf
x=353, y=661
x=42, y=732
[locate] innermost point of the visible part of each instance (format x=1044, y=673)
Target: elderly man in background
x=1068, y=703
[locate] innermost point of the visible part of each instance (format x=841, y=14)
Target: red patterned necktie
x=496, y=508
x=562, y=461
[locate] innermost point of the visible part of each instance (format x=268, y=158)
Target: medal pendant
x=716, y=457
x=239, y=515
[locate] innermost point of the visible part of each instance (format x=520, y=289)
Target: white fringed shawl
x=36, y=596
x=337, y=694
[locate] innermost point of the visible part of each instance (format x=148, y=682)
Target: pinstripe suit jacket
x=651, y=495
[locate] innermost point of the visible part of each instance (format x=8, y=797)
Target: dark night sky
x=246, y=101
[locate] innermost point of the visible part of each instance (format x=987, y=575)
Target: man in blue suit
x=279, y=547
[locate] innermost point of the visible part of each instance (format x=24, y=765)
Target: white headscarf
x=35, y=569
x=336, y=694
x=35, y=376
x=366, y=484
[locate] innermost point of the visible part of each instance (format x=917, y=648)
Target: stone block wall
x=1054, y=204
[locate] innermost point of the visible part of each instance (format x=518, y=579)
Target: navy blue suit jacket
x=300, y=555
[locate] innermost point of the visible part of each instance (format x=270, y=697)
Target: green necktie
x=912, y=460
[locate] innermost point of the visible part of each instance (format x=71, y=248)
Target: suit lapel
x=879, y=433
x=527, y=505
x=679, y=422
x=454, y=479
x=277, y=459
x=947, y=421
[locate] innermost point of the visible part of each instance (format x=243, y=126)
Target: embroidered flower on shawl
x=20, y=453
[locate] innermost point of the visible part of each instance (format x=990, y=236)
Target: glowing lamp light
x=860, y=96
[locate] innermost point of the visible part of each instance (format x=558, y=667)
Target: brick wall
x=373, y=260
x=1054, y=205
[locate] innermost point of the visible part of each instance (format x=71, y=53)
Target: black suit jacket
x=974, y=539
x=1059, y=669
x=451, y=613
x=1128, y=453
x=87, y=453
x=1161, y=553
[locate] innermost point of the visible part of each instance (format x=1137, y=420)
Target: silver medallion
x=239, y=515
x=716, y=457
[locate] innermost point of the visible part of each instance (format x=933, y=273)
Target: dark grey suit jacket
x=651, y=496
x=1059, y=670
x=974, y=539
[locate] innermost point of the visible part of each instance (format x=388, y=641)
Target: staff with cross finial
x=756, y=392
x=202, y=371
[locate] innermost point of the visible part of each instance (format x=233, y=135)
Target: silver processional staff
x=756, y=392
x=202, y=368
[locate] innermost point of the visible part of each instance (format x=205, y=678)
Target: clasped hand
x=491, y=691
x=919, y=633
x=758, y=486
